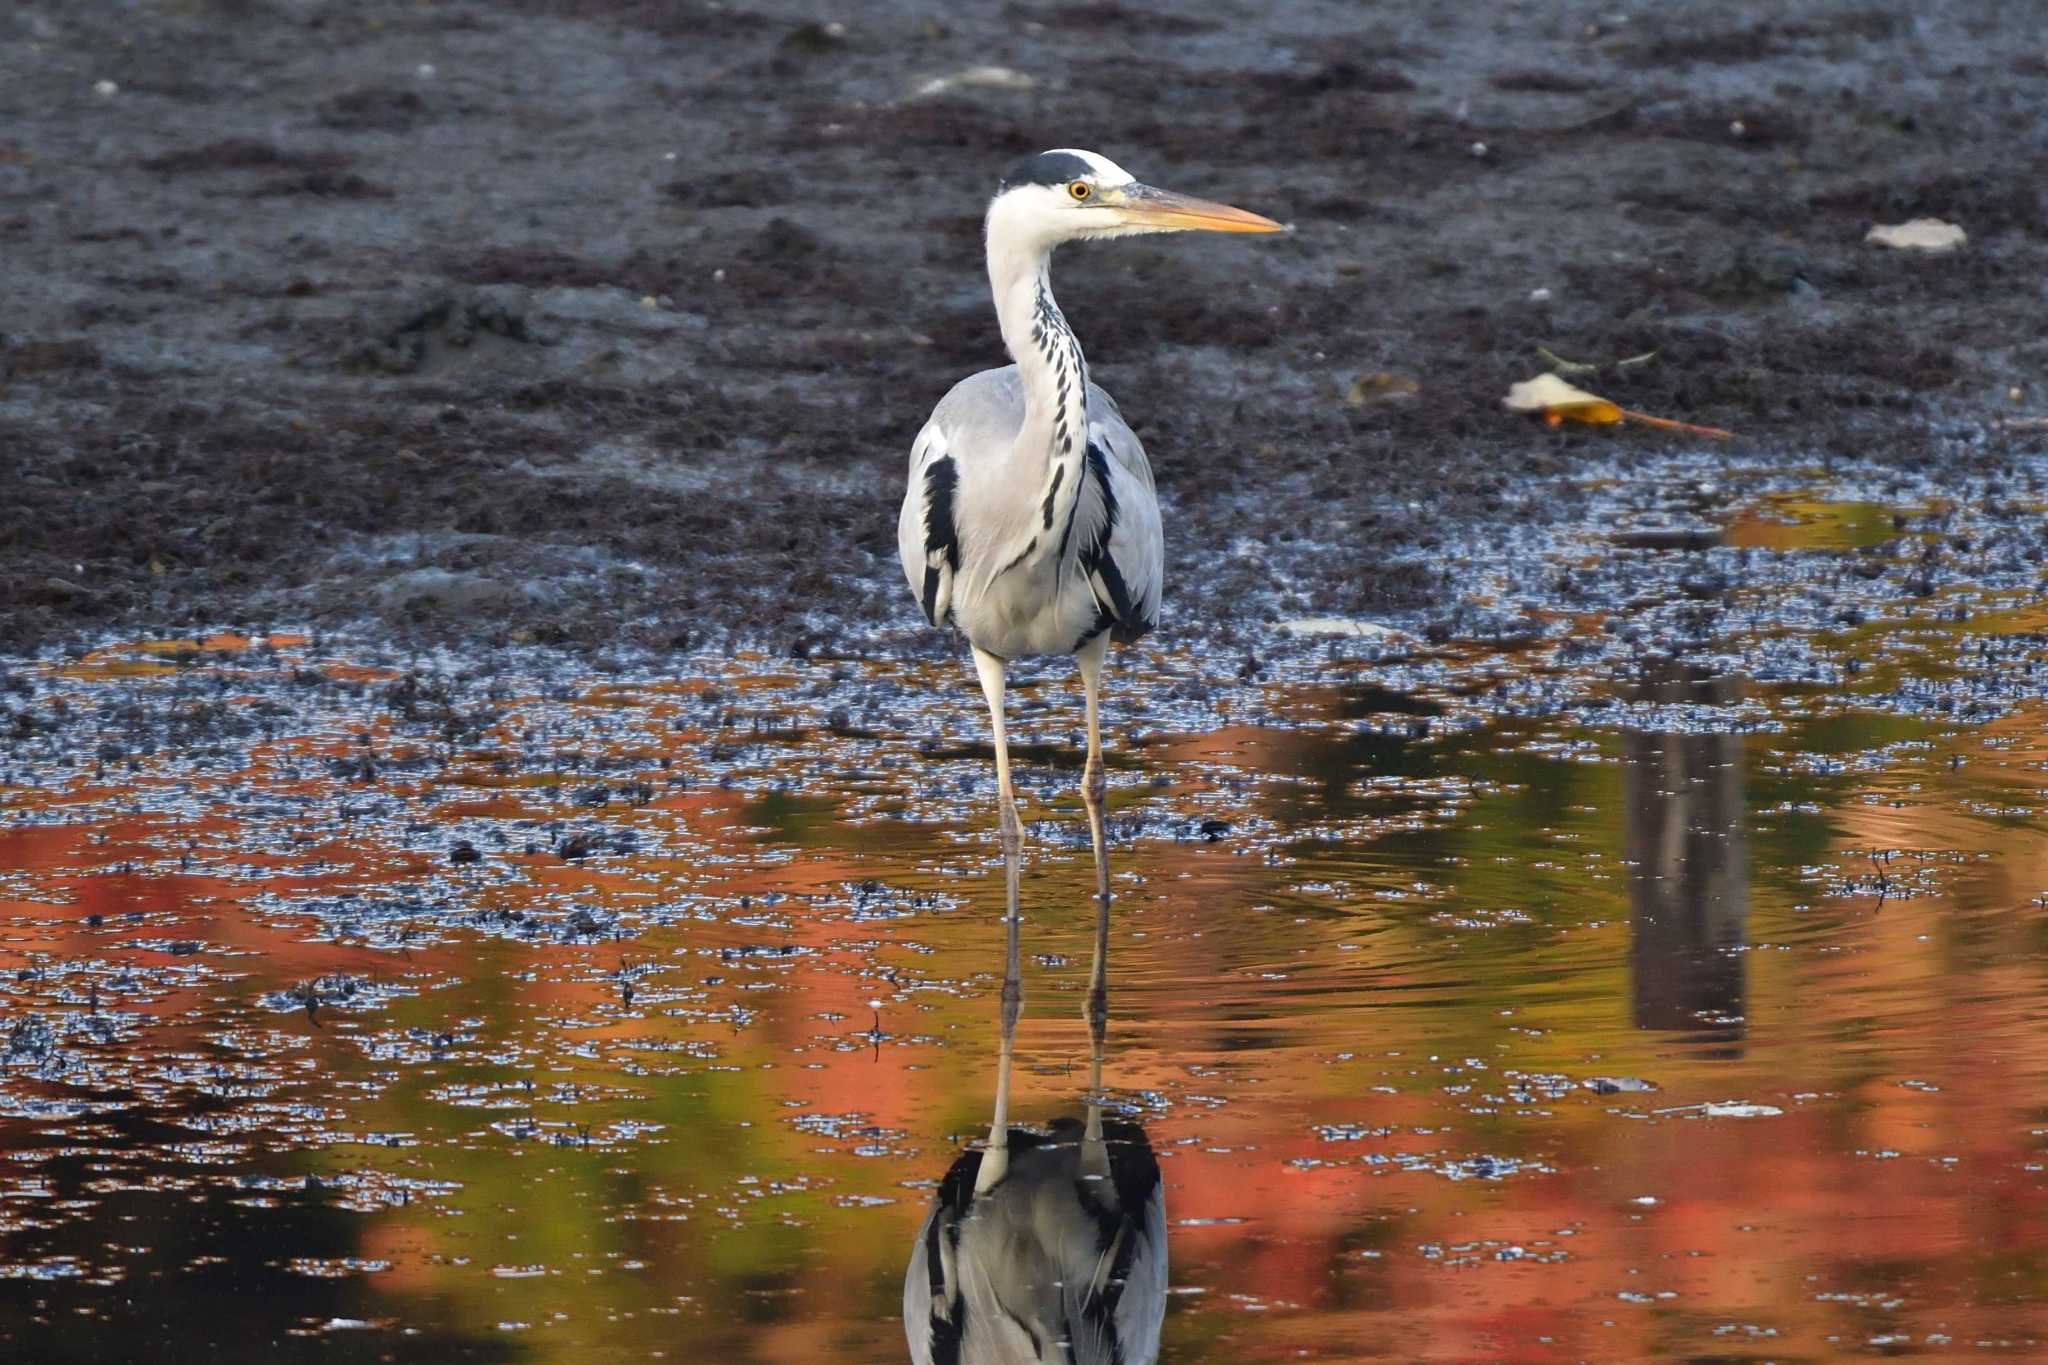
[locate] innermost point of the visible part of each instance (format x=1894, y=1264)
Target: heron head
x=1067, y=195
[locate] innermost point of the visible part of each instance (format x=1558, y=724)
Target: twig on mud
x=1558, y=362
x=1563, y=366
x=1667, y=424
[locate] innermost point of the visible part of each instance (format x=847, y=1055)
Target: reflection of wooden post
x=1689, y=884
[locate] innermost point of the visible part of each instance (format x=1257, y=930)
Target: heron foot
x=1094, y=783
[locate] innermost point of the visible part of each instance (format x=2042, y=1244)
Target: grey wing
x=1118, y=1304
x=1141, y=1312
x=933, y=1323
x=927, y=531
x=1116, y=523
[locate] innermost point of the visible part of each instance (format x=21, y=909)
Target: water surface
x=1474, y=1003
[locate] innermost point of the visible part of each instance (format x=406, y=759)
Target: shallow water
x=1492, y=1001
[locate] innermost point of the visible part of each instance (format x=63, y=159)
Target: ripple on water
x=1438, y=958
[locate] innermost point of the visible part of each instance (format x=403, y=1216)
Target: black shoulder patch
x=1098, y=465
x=941, y=533
x=940, y=479
x=1127, y=625
x=1047, y=168
x=947, y=1337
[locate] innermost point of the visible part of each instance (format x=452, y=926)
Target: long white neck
x=1054, y=439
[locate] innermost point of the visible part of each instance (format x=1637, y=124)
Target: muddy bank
x=594, y=323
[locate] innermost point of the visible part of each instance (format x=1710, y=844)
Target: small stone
x=105, y=89
x=1920, y=234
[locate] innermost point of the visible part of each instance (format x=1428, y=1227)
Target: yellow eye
x=1080, y=190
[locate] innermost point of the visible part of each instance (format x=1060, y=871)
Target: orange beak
x=1143, y=206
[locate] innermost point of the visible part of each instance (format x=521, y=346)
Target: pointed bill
x=1149, y=207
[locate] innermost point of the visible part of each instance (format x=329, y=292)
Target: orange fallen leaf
x=1558, y=402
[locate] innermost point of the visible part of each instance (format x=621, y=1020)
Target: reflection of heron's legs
x=1098, y=1004
x=1094, y=787
x=995, y=1162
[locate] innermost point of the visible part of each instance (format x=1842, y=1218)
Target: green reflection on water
x=1435, y=936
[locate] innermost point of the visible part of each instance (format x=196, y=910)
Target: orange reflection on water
x=1544, y=1039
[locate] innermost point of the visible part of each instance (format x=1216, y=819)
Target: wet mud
x=607, y=325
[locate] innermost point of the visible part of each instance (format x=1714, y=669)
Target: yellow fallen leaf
x=1557, y=402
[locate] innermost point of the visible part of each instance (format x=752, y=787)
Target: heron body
x=1020, y=579
x=1030, y=521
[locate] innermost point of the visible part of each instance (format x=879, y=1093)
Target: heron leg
x=995, y=1161
x=1094, y=783
x=991, y=670
x=1094, y=788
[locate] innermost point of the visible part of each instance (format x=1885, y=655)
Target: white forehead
x=1107, y=172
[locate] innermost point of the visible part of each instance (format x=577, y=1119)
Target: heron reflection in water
x=1045, y=1247
x=1689, y=884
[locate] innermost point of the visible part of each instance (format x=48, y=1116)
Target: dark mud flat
x=597, y=323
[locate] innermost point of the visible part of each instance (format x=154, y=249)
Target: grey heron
x=1030, y=522
x=1045, y=1249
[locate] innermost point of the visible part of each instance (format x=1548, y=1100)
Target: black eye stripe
x=1047, y=168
